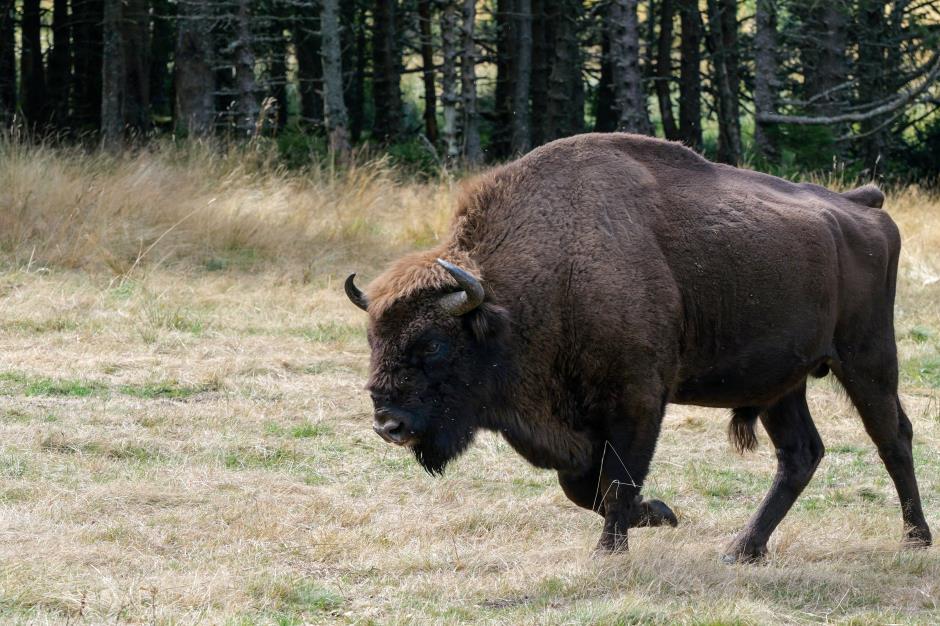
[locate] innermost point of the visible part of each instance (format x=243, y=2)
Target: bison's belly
x=752, y=380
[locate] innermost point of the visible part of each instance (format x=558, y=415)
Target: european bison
x=588, y=284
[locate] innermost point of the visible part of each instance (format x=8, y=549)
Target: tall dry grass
x=197, y=202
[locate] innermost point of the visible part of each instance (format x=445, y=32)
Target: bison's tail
x=741, y=428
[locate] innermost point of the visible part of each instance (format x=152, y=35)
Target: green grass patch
x=330, y=332
x=168, y=389
x=40, y=326
x=259, y=457
x=923, y=371
x=64, y=388
x=292, y=601
x=309, y=429
x=920, y=334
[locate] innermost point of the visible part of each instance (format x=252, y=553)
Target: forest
x=790, y=86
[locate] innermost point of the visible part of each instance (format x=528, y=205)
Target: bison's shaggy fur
x=622, y=273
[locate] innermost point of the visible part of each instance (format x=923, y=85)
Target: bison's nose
x=393, y=427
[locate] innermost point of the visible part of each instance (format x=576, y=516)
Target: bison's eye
x=433, y=350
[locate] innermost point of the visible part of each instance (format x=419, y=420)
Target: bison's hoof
x=917, y=537
x=655, y=513
x=611, y=543
x=744, y=552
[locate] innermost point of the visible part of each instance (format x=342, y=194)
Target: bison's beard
x=440, y=447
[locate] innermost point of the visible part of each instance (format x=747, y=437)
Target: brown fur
x=622, y=273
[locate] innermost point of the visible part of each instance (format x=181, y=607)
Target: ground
x=188, y=442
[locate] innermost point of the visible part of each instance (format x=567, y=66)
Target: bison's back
x=645, y=248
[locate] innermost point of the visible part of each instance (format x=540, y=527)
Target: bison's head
x=436, y=364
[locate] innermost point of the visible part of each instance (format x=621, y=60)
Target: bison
x=599, y=278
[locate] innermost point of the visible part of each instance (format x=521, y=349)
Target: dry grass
x=187, y=442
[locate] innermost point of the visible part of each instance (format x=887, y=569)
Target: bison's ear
x=488, y=321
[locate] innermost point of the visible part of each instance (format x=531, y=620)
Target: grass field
x=184, y=438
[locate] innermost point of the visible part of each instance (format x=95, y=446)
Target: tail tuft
x=741, y=428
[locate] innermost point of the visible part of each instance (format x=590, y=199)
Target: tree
x=32, y=72
x=512, y=133
x=565, y=106
x=60, y=65
x=7, y=61
x=386, y=71
x=625, y=59
x=162, y=44
x=449, y=98
x=765, y=75
x=723, y=46
x=87, y=21
x=427, y=70
x=521, y=139
x=306, y=36
x=663, y=72
x=335, y=111
x=472, y=150
x=113, y=74
x=247, y=88
x=135, y=33
x=195, y=78
x=690, y=81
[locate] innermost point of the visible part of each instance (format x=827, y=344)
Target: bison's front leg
x=612, y=487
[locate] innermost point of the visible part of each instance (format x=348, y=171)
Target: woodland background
x=789, y=86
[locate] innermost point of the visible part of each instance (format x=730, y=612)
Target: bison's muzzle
x=394, y=426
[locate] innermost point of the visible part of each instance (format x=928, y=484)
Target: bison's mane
x=419, y=272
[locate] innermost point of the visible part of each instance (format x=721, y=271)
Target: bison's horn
x=469, y=298
x=354, y=294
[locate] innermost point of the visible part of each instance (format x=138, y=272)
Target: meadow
x=184, y=437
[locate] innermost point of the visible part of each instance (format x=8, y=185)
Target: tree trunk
x=165, y=20
x=135, y=32
x=427, y=70
x=512, y=132
x=355, y=46
x=501, y=135
x=690, y=79
x=565, y=107
x=449, y=80
x=472, y=151
x=87, y=17
x=765, y=75
x=722, y=40
x=7, y=62
x=663, y=75
x=605, y=113
x=277, y=66
x=386, y=72
x=542, y=48
x=307, y=46
x=247, y=106
x=335, y=110
x=625, y=57
x=32, y=72
x=872, y=29
x=823, y=57
x=521, y=133
x=60, y=64
x=113, y=75
x=195, y=78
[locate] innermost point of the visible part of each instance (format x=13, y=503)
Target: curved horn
x=470, y=296
x=354, y=294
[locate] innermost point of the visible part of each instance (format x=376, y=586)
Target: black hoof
x=744, y=554
x=657, y=513
x=917, y=538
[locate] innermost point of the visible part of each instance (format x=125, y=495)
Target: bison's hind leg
x=799, y=450
x=872, y=386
